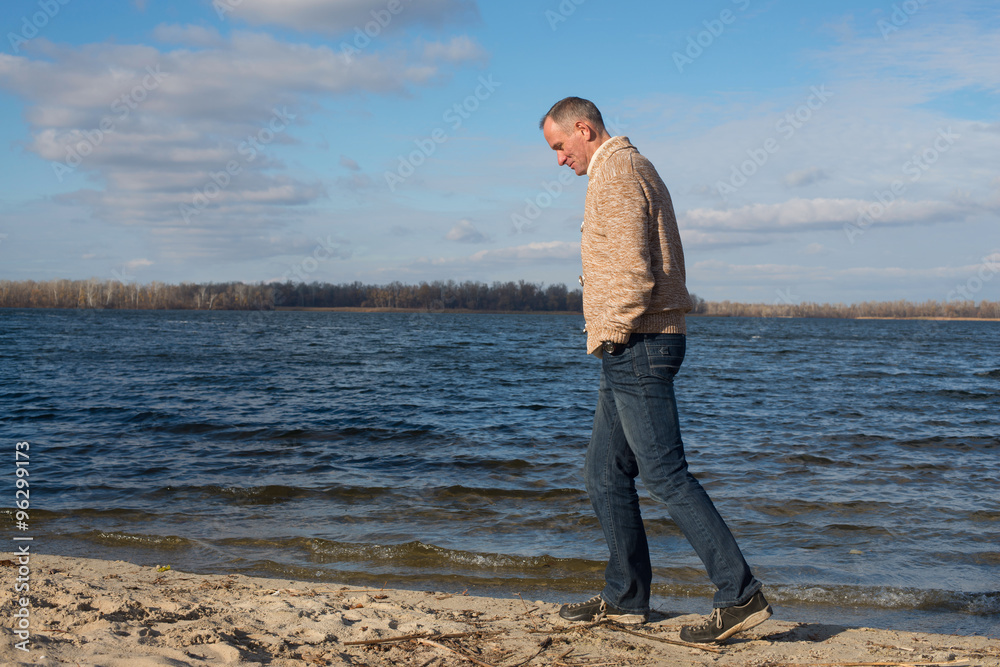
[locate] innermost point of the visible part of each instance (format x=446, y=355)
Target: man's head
x=574, y=129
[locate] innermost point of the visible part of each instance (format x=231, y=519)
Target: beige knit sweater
x=633, y=264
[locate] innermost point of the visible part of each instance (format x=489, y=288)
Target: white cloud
x=532, y=252
x=802, y=214
x=344, y=16
x=458, y=49
x=692, y=238
x=465, y=232
x=932, y=53
x=186, y=139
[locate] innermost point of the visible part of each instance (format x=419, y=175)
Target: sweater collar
x=604, y=151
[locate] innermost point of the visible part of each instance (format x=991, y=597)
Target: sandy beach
x=117, y=614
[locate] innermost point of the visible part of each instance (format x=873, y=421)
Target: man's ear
x=587, y=130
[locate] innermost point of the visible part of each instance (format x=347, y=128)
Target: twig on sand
x=568, y=628
x=702, y=647
x=428, y=642
x=421, y=635
x=528, y=612
x=544, y=644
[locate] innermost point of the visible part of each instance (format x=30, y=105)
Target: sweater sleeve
x=624, y=210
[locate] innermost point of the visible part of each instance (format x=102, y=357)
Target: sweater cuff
x=617, y=336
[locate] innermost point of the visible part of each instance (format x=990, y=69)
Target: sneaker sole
x=751, y=621
x=626, y=619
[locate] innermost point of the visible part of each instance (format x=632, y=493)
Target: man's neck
x=605, y=138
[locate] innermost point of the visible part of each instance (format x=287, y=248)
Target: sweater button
x=581, y=280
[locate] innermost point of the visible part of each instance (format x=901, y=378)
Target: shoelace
x=596, y=598
x=715, y=619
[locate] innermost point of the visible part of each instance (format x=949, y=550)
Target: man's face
x=571, y=148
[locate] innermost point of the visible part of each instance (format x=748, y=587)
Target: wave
x=886, y=597
x=124, y=539
x=962, y=394
x=959, y=443
x=414, y=561
x=278, y=493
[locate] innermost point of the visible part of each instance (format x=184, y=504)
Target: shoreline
x=470, y=311
x=429, y=311
x=114, y=613
x=448, y=311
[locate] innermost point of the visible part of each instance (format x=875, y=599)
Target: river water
x=856, y=461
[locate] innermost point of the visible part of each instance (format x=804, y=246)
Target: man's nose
x=562, y=158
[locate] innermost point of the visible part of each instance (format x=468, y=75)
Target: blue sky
x=829, y=152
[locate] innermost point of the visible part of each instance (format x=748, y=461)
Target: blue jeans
x=636, y=432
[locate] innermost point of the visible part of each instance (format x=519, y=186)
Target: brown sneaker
x=596, y=609
x=726, y=622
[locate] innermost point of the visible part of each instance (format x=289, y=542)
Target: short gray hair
x=567, y=111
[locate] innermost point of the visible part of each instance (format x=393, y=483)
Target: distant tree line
x=886, y=309
x=436, y=296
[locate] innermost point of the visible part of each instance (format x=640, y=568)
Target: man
x=634, y=300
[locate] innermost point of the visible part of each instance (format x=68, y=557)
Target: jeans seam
x=606, y=481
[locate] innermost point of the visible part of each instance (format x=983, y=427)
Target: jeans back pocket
x=665, y=354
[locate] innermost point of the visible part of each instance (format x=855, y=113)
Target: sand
x=113, y=613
